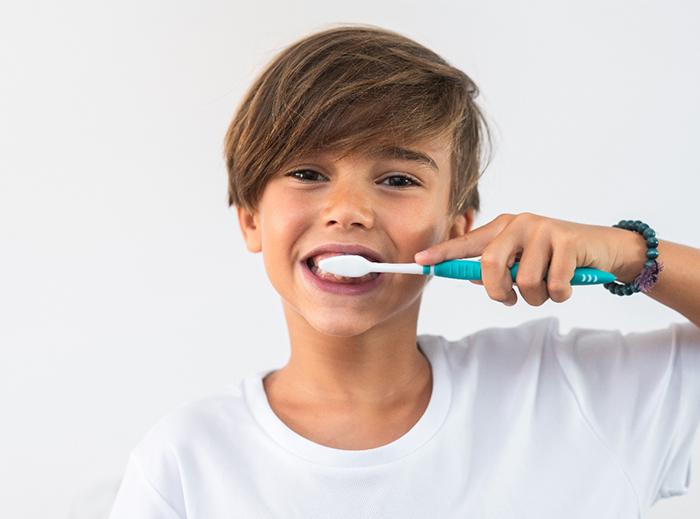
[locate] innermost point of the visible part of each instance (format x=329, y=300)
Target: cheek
x=284, y=228
x=417, y=230
x=283, y=217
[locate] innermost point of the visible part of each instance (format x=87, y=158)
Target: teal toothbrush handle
x=471, y=269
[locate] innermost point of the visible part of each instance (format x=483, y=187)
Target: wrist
x=633, y=247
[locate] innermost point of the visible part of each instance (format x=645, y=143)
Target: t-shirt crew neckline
x=422, y=431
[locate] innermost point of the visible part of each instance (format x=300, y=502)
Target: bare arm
x=678, y=285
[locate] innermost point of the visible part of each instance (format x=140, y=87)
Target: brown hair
x=353, y=88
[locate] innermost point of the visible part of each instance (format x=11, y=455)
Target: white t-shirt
x=523, y=422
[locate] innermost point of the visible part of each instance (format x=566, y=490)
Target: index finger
x=468, y=245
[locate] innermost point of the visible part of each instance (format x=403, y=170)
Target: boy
x=359, y=140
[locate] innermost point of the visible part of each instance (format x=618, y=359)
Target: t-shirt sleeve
x=139, y=498
x=151, y=487
x=640, y=393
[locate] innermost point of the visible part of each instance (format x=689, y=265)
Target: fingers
x=496, y=261
x=532, y=271
x=547, y=260
x=469, y=245
x=561, y=270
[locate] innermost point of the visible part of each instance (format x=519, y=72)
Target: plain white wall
x=125, y=286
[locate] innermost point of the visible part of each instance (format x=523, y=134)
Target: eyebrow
x=396, y=152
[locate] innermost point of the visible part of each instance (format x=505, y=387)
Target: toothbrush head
x=348, y=265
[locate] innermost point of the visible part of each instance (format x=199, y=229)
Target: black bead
x=652, y=253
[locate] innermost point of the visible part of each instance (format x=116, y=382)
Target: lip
x=345, y=248
x=340, y=288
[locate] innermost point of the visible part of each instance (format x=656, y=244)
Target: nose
x=348, y=204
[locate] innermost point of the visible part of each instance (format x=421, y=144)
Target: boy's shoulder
x=495, y=341
x=524, y=330
x=197, y=417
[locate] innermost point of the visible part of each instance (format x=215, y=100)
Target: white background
x=125, y=286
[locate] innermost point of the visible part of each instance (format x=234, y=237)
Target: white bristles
x=354, y=266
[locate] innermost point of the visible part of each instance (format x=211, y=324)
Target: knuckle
x=558, y=291
x=556, y=285
x=488, y=260
x=527, y=281
x=527, y=217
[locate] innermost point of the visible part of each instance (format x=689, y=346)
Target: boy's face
x=353, y=201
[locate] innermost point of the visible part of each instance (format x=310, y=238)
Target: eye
x=403, y=179
x=301, y=171
x=303, y=175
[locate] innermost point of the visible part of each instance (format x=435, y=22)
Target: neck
x=375, y=371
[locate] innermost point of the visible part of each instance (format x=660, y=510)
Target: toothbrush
x=351, y=265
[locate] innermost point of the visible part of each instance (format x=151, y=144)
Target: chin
x=339, y=326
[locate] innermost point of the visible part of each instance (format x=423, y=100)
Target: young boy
x=359, y=140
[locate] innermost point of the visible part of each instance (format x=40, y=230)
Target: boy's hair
x=352, y=89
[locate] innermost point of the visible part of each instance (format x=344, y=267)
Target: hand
x=545, y=247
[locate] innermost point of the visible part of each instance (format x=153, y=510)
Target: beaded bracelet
x=649, y=275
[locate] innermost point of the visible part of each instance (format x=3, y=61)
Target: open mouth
x=327, y=276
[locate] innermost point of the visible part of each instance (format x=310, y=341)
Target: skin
x=551, y=249
x=355, y=378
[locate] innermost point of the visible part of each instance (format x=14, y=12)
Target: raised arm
x=678, y=285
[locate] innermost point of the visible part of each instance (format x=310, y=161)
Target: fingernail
x=421, y=256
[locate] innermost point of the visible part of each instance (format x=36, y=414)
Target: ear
x=462, y=224
x=249, y=222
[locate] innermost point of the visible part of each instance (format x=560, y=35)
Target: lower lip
x=340, y=288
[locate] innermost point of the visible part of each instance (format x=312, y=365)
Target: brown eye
x=293, y=174
x=402, y=183
x=309, y=175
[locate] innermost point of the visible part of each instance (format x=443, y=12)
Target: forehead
x=411, y=154
x=430, y=154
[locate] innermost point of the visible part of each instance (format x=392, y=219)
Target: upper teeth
x=319, y=257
